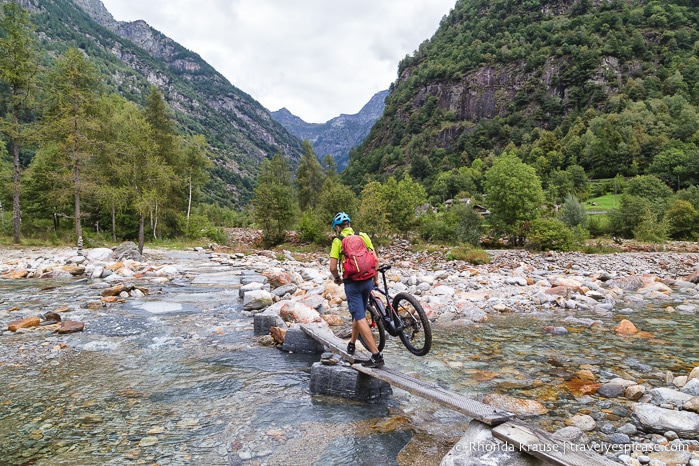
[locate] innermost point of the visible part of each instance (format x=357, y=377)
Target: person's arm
x=334, y=271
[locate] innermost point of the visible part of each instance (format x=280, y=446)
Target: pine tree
x=309, y=177
x=18, y=69
x=71, y=122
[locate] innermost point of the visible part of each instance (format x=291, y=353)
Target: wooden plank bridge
x=506, y=427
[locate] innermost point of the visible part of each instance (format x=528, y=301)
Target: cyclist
x=357, y=291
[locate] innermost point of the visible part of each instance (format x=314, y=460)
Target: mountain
x=132, y=56
x=337, y=136
x=607, y=86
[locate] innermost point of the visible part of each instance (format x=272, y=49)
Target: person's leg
x=363, y=328
x=357, y=299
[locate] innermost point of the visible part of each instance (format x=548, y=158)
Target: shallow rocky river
x=177, y=376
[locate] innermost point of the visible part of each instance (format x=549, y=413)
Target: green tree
x=672, y=166
x=373, y=209
x=403, y=197
x=164, y=133
x=71, y=119
x=514, y=193
x=573, y=212
x=549, y=234
x=144, y=170
x=196, y=165
x=275, y=200
x=335, y=197
x=631, y=212
x=309, y=177
x=46, y=188
x=683, y=220
x=18, y=70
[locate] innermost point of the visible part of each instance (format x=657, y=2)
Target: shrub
x=598, y=225
x=683, y=220
x=468, y=254
x=312, y=228
x=549, y=234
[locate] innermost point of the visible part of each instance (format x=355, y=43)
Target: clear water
x=179, y=378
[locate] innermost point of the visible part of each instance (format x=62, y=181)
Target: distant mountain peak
x=338, y=135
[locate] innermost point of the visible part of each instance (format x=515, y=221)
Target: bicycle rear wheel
x=416, y=333
x=376, y=325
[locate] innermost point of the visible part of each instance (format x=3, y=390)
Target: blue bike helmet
x=340, y=218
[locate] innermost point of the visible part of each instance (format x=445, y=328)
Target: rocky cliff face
x=337, y=136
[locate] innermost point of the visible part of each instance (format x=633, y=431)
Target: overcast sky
x=317, y=58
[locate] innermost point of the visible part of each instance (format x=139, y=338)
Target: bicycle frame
x=391, y=321
x=388, y=317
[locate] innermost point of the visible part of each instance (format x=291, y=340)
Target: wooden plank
x=541, y=444
x=472, y=408
x=334, y=344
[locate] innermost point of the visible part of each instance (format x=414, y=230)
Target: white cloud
x=317, y=58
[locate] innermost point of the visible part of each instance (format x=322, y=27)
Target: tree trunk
x=113, y=224
x=16, y=218
x=141, y=232
x=189, y=201
x=155, y=222
x=76, y=182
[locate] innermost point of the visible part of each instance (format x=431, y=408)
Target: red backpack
x=359, y=263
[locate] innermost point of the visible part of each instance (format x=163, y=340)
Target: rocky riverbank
x=455, y=294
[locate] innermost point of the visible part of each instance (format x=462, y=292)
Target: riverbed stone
x=634, y=392
x=571, y=434
x=70, y=326
x=27, y=322
x=263, y=321
x=515, y=405
x=296, y=341
x=651, y=418
x=583, y=422
x=668, y=396
x=691, y=387
x=692, y=404
x=671, y=457
x=256, y=299
x=283, y=290
x=343, y=381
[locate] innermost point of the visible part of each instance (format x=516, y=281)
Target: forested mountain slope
x=133, y=56
x=611, y=86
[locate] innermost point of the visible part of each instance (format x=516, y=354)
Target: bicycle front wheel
x=416, y=332
x=375, y=321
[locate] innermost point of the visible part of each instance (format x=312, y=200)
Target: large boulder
x=127, y=250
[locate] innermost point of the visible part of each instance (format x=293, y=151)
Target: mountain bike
x=400, y=316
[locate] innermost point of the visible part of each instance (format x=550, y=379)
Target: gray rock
x=611, y=390
x=618, y=438
x=650, y=418
x=256, y=299
x=571, y=434
x=127, y=250
x=285, y=289
x=668, y=396
x=628, y=429
x=263, y=321
x=691, y=387
x=338, y=380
